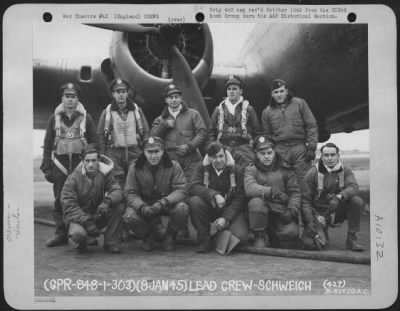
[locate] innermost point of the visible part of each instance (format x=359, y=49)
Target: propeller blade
x=184, y=79
x=136, y=28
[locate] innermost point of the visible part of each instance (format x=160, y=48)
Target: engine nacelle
x=142, y=59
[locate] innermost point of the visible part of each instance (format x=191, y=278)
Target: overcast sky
x=71, y=41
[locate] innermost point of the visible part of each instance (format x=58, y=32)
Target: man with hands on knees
x=217, y=195
x=155, y=187
x=275, y=197
x=91, y=200
x=330, y=196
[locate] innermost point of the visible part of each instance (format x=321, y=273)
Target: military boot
x=259, y=239
x=60, y=235
x=351, y=242
x=169, y=241
x=81, y=246
x=91, y=241
x=57, y=240
x=148, y=243
x=205, y=245
x=184, y=233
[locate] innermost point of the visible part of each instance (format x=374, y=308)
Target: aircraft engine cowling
x=144, y=59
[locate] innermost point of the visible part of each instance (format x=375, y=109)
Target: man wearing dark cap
x=121, y=130
x=275, y=197
x=69, y=129
x=330, y=197
x=91, y=200
x=183, y=130
x=234, y=123
x=290, y=122
x=217, y=196
x=155, y=187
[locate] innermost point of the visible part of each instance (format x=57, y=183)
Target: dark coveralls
x=146, y=184
x=232, y=136
x=294, y=129
x=265, y=211
x=52, y=173
x=317, y=204
x=122, y=156
x=81, y=197
x=201, y=210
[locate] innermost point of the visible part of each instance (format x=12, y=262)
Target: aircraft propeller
x=181, y=73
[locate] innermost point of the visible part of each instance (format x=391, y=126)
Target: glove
x=91, y=229
x=149, y=210
x=288, y=215
x=310, y=155
x=182, y=150
x=278, y=196
x=333, y=203
x=104, y=208
x=48, y=174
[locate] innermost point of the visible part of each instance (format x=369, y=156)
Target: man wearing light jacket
x=121, y=130
x=69, y=129
x=234, y=123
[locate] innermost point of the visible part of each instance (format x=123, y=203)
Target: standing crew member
x=69, y=129
x=275, y=197
x=330, y=196
x=218, y=196
x=92, y=199
x=184, y=132
x=155, y=187
x=234, y=123
x=121, y=130
x=290, y=122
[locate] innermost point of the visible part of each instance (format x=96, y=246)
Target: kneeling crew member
x=217, y=195
x=155, y=187
x=330, y=196
x=275, y=197
x=92, y=199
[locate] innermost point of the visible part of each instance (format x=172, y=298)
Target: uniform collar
x=129, y=106
x=165, y=114
x=287, y=101
x=165, y=161
x=322, y=168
